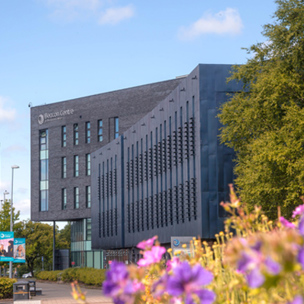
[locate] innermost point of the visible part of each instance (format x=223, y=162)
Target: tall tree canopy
x=39, y=242
x=264, y=123
x=5, y=216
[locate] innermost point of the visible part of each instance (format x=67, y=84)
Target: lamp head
x=15, y=167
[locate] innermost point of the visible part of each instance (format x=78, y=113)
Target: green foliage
x=5, y=214
x=63, y=237
x=70, y=275
x=264, y=122
x=39, y=242
x=88, y=276
x=6, y=287
x=49, y=275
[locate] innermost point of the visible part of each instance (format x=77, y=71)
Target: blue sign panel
x=19, y=250
x=6, y=246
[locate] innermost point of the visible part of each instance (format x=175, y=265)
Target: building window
x=76, y=134
x=63, y=136
x=64, y=198
x=76, y=165
x=88, y=132
x=116, y=127
x=99, y=131
x=63, y=167
x=43, y=171
x=76, y=198
x=88, y=164
x=88, y=229
x=88, y=196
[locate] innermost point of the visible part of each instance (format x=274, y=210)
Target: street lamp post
x=11, y=223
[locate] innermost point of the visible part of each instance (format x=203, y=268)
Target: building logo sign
x=42, y=118
x=176, y=242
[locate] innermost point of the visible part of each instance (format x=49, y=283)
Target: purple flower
x=296, y=300
x=286, y=223
x=255, y=278
x=245, y=261
x=152, y=256
x=188, y=281
x=251, y=263
x=301, y=256
x=298, y=211
x=160, y=286
x=272, y=266
x=172, y=263
x=301, y=226
x=147, y=244
x=118, y=285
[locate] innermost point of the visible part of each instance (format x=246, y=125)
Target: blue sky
x=54, y=50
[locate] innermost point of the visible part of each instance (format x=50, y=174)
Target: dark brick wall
x=128, y=104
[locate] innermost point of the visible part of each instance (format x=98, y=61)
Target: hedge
x=6, y=287
x=48, y=275
x=88, y=276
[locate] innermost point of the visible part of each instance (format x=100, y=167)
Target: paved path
x=60, y=293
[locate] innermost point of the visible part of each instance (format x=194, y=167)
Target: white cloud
x=98, y=10
x=6, y=114
x=71, y=10
x=115, y=15
x=224, y=22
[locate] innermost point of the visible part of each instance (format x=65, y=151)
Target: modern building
x=127, y=165
x=168, y=173
x=63, y=136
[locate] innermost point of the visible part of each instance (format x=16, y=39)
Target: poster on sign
x=6, y=246
x=19, y=250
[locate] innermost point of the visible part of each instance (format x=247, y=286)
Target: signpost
x=6, y=246
x=19, y=250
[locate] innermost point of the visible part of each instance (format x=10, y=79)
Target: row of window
x=75, y=165
x=43, y=170
x=64, y=198
x=88, y=132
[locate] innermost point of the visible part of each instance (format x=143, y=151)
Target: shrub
x=6, y=287
x=48, y=275
x=88, y=276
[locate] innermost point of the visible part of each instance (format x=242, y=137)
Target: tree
x=264, y=123
x=5, y=214
x=63, y=237
x=39, y=242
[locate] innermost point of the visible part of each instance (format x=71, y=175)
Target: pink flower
x=147, y=244
x=152, y=256
x=171, y=264
x=298, y=211
x=138, y=286
x=286, y=223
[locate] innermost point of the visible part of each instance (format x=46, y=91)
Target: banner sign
x=19, y=250
x=6, y=246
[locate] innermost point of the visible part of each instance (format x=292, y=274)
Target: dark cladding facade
x=63, y=137
x=167, y=174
